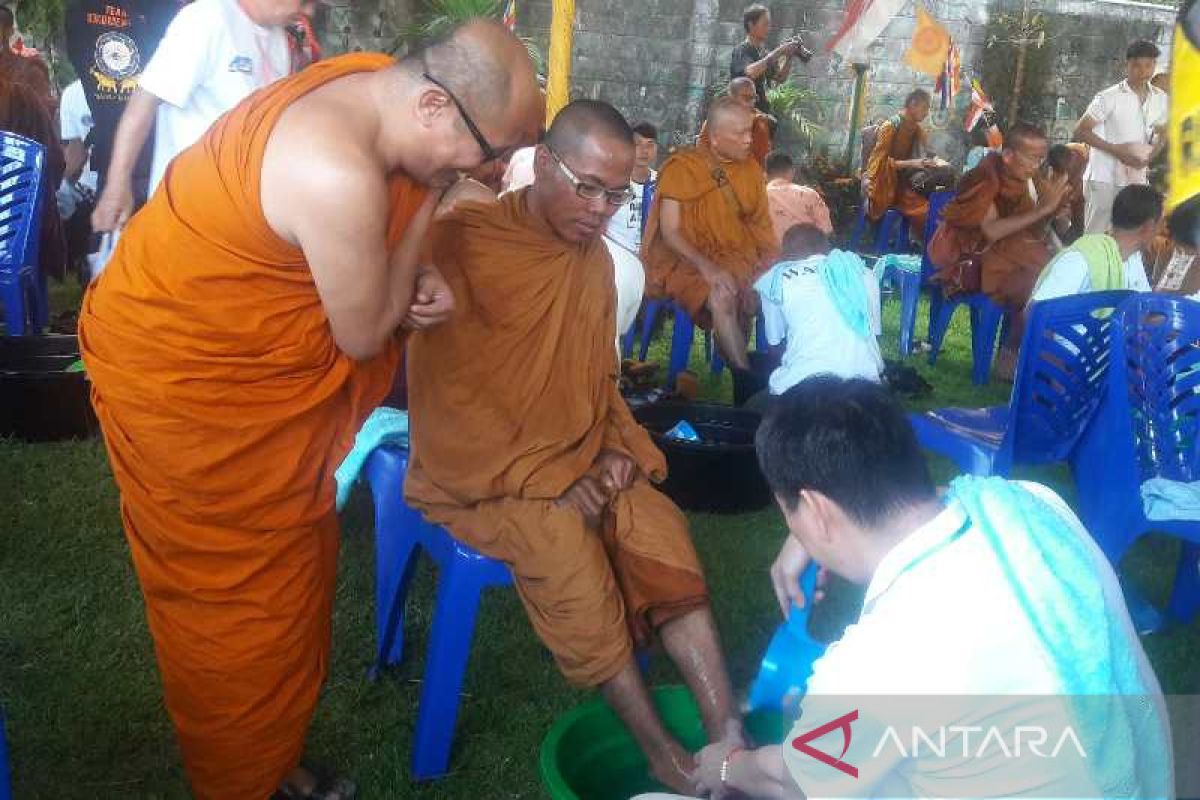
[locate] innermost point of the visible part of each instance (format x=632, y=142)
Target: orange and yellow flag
x=930, y=45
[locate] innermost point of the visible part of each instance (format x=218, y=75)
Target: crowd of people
x=254, y=313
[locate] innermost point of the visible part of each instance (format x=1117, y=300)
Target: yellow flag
x=930, y=45
x=1183, y=137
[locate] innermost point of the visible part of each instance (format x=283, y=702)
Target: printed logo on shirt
x=117, y=64
x=241, y=64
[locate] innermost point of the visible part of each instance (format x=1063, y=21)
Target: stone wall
x=660, y=60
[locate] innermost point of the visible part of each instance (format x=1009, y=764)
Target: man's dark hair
x=7, y=19
x=777, y=161
x=1142, y=48
x=851, y=441
x=1136, y=205
x=752, y=15
x=803, y=240
x=1059, y=158
x=646, y=130
x=917, y=96
x=1024, y=132
x=583, y=118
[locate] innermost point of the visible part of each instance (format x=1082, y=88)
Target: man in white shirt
x=214, y=54
x=625, y=227
x=1124, y=124
x=75, y=123
x=825, y=306
x=989, y=614
x=1103, y=262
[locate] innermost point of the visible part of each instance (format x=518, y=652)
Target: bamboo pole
x=857, y=107
x=558, y=84
x=1014, y=105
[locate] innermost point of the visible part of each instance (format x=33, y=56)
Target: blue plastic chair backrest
x=21, y=164
x=937, y=204
x=1157, y=350
x=1060, y=380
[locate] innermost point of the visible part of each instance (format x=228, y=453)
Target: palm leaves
x=790, y=103
x=435, y=18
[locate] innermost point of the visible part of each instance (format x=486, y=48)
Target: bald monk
x=709, y=236
x=897, y=154
x=996, y=217
x=552, y=475
x=244, y=330
x=743, y=90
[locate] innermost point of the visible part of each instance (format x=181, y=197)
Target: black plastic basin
x=719, y=474
x=39, y=400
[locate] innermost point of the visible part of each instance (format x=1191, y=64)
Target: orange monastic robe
x=731, y=226
x=511, y=402
x=899, y=140
x=1012, y=265
x=226, y=407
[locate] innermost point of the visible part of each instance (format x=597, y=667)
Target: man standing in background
x=213, y=55
x=1124, y=125
x=751, y=58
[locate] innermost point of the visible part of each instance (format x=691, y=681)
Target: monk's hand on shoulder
x=589, y=496
x=433, y=302
x=616, y=470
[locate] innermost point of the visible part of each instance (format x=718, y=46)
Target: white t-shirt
x=75, y=122
x=941, y=623
x=625, y=227
x=630, y=279
x=1070, y=276
x=1122, y=119
x=818, y=339
x=210, y=59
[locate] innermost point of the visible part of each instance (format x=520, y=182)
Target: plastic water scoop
x=789, y=659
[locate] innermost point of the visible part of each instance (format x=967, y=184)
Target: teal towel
x=842, y=274
x=1053, y=574
x=1171, y=500
x=384, y=426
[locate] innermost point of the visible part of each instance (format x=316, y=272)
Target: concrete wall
x=661, y=59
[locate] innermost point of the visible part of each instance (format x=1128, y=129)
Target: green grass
x=78, y=679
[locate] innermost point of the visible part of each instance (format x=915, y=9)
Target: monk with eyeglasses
x=249, y=321
x=524, y=448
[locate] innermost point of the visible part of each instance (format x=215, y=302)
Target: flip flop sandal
x=329, y=786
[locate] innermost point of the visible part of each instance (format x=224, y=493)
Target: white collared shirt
x=940, y=622
x=1122, y=119
x=211, y=58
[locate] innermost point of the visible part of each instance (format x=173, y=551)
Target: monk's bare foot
x=674, y=768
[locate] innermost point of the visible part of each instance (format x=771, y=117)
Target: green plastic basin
x=589, y=754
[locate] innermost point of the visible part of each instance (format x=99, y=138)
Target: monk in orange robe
x=1071, y=160
x=743, y=89
x=897, y=153
x=709, y=234
x=996, y=217
x=244, y=330
x=549, y=472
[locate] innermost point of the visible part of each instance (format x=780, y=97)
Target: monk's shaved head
x=488, y=69
x=726, y=110
x=587, y=119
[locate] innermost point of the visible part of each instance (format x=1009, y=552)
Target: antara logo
x=842, y=723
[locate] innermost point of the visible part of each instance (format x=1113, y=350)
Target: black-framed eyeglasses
x=592, y=191
x=489, y=152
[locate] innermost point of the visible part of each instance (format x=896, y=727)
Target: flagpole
x=857, y=103
x=558, y=84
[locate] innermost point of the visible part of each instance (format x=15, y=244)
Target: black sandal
x=328, y=786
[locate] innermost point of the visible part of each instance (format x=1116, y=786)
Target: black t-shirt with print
x=743, y=56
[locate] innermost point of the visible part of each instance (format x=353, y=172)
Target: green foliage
x=792, y=104
x=435, y=18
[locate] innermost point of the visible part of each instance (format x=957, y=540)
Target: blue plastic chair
x=1059, y=385
x=463, y=575
x=23, y=289
x=5, y=773
x=891, y=233
x=683, y=331
x=1148, y=427
x=986, y=319
x=912, y=283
